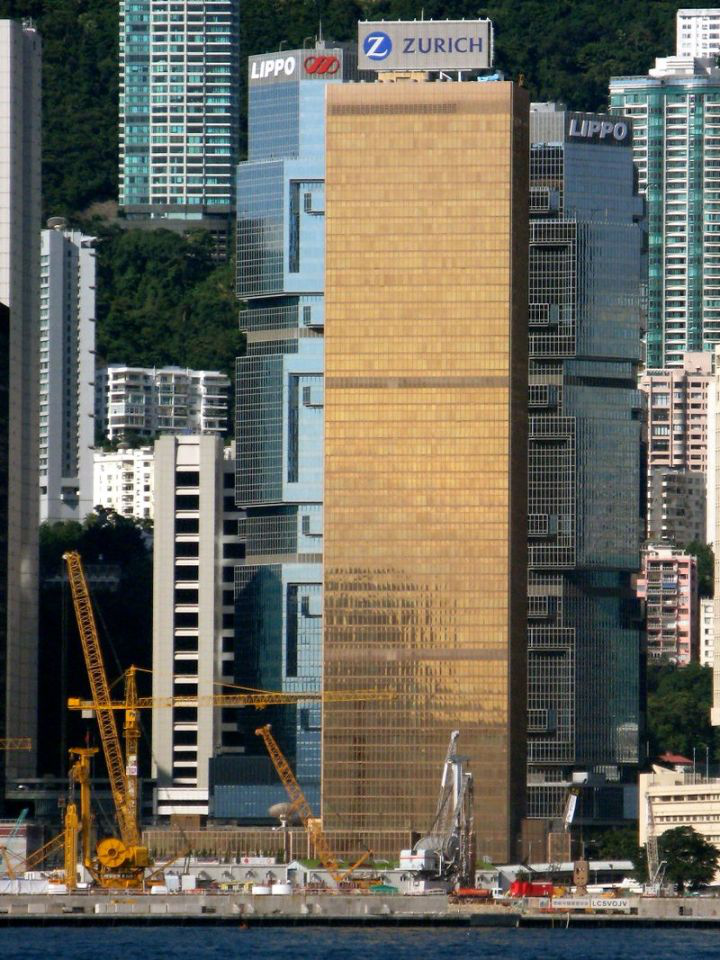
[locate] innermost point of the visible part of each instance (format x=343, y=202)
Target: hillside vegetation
x=183, y=310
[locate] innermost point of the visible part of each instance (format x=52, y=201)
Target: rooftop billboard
x=425, y=45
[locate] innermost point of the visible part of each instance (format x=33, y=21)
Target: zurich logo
x=377, y=46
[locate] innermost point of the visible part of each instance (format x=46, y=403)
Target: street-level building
x=425, y=534
x=178, y=112
x=279, y=416
x=668, y=585
x=196, y=545
x=20, y=138
x=675, y=111
x=123, y=481
x=584, y=513
x=680, y=797
x=148, y=401
x=67, y=372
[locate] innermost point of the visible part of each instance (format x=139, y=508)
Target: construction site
x=296, y=856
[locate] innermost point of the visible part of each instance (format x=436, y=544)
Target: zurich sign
x=377, y=46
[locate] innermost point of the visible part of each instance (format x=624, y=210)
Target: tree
x=691, y=859
x=705, y=566
x=678, y=710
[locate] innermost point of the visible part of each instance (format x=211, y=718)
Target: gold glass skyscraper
x=425, y=454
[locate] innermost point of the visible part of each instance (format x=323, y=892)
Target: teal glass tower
x=675, y=111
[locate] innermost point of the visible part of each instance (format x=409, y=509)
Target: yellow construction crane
x=299, y=804
x=259, y=699
x=16, y=743
x=121, y=861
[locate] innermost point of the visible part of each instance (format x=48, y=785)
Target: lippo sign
x=599, y=129
x=294, y=65
x=425, y=45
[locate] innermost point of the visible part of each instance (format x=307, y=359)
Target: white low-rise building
x=123, y=481
x=149, y=401
x=681, y=797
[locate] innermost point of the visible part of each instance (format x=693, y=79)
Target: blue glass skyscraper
x=586, y=243
x=280, y=256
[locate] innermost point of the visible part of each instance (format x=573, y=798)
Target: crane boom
x=300, y=804
x=258, y=700
x=101, y=700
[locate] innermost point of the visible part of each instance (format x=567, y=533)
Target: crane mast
x=304, y=811
x=127, y=853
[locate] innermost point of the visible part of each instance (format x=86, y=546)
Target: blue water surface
x=296, y=943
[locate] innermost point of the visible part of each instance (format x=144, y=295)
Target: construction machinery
x=120, y=861
x=656, y=866
x=299, y=805
x=446, y=853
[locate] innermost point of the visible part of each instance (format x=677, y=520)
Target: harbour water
x=183, y=943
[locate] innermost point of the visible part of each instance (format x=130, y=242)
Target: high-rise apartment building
x=178, y=112
x=669, y=587
x=123, y=481
x=675, y=111
x=676, y=511
x=195, y=548
x=677, y=413
x=679, y=447
x=279, y=425
x=148, y=401
x=707, y=632
x=67, y=372
x=425, y=454
x=584, y=462
x=20, y=64
x=698, y=32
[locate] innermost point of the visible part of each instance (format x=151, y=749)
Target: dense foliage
x=123, y=613
x=705, y=566
x=691, y=859
x=566, y=49
x=678, y=711
x=163, y=299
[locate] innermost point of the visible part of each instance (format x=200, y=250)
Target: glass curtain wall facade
x=425, y=455
x=676, y=116
x=178, y=108
x=584, y=524
x=280, y=398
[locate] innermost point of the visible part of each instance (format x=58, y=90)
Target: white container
x=188, y=881
x=159, y=890
x=261, y=890
x=172, y=882
x=283, y=889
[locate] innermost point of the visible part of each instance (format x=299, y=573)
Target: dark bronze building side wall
x=425, y=454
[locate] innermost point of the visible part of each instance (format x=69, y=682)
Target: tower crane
x=259, y=699
x=121, y=861
x=299, y=803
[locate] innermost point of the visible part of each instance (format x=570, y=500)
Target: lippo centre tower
x=426, y=297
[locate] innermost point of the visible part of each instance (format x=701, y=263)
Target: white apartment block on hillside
x=149, y=401
x=123, y=481
x=698, y=32
x=67, y=372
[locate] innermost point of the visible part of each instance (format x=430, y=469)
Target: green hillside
x=161, y=299
x=566, y=49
